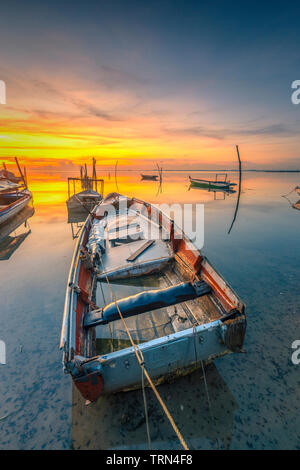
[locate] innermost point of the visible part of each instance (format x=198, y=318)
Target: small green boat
x=208, y=184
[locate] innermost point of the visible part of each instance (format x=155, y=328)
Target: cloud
x=225, y=133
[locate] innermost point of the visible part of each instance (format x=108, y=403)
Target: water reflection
x=118, y=421
x=218, y=194
x=260, y=259
x=20, y=228
x=76, y=219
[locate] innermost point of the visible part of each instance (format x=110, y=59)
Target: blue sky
x=218, y=72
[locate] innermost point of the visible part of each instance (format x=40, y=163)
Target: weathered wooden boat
x=149, y=177
x=89, y=196
x=211, y=184
x=181, y=312
x=12, y=200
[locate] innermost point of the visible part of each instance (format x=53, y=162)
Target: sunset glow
x=77, y=90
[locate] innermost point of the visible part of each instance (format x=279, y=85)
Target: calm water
x=254, y=396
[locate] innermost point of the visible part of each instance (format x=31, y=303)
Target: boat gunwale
x=72, y=277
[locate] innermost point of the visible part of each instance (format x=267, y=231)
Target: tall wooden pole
x=25, y=176
x=19, y=168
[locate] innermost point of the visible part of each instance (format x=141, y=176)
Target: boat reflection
x=221, y=192
x=10, y=243
x=118, y=422
x=76, y=219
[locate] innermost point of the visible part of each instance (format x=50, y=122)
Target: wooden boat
x=149, y=177
x=210, y=185
x=181, y=312
x=12, y=200
x=296, y=205
x=89, y=197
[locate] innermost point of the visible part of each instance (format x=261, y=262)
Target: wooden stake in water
x=240, y=187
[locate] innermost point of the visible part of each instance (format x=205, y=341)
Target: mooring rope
x=146, y=409
x=205, y=381
x=141, y=362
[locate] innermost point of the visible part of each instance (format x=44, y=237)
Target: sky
x=179, y=83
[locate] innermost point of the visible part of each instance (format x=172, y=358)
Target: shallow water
x=254, y=396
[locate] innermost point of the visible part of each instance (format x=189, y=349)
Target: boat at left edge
x=12, y=202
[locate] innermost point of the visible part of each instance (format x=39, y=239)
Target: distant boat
x=13, y=198
x=211, y=184
x=149, y=177
x=183, y=313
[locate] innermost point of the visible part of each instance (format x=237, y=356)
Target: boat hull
x=210, y=185
x=165, y=358
x=149, y=177
x=83, y=201
x=75, y=206
x=14, y=208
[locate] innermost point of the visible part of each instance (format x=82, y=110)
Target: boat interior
x=153, y=323
x=123, y=251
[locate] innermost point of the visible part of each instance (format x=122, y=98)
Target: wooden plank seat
x=145, y=301
x=140, y=250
